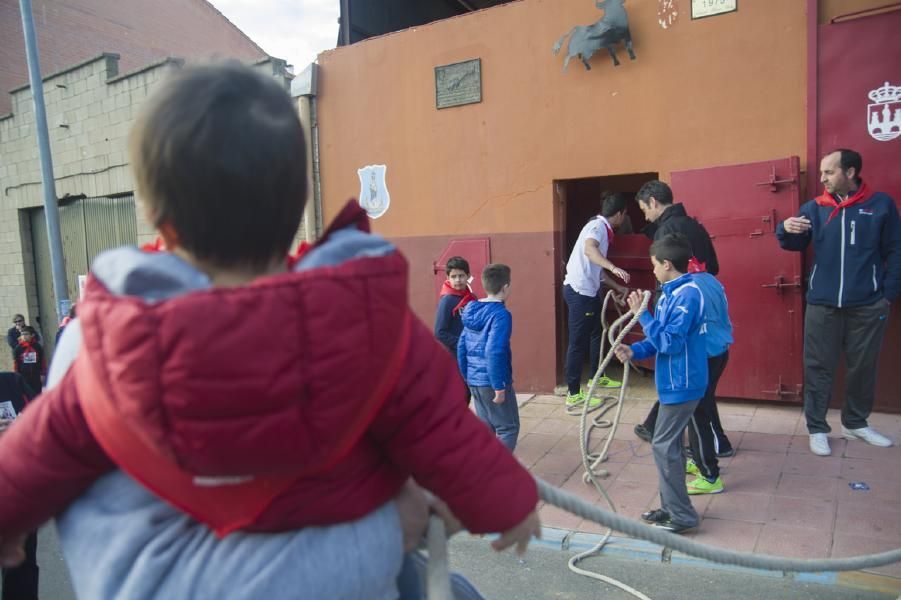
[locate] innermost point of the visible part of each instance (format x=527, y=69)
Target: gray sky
x=295, y=30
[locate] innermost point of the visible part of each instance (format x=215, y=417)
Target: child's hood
x=477, y=315
x=232, y=380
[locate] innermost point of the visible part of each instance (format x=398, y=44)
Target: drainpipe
x=51, y=210
x=303, y=88
x=813, y=164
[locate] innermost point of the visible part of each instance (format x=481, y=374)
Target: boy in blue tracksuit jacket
x=706, y=437
x=674, y=335
x=485, y=359
x=856, y=275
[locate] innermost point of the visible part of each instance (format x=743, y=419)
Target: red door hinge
x=773, y=182
x=784, y=391
x=780, y=283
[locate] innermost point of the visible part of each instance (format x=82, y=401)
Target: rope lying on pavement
x=577, y=506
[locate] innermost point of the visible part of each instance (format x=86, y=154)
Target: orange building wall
x=721, y=90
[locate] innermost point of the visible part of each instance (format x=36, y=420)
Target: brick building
x=72, y=31
x=99, y=62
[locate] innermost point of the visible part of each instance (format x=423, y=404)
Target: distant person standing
x=581, y=291
x=455, y=295
x=856, y=274
x=63, y=324
x=30, y=361
x=485, y=358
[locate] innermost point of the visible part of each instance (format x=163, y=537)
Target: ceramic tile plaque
x=710, y=8
x=458, y=84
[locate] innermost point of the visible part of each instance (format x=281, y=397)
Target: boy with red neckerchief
x=856, y=275
x=455, y=295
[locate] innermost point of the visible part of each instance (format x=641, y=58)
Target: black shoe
x=655, y=516
x=726, y=453
x=669, y=525
x=642, y=432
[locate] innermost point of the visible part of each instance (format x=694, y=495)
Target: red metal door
x=477, y=251
x=740, y=206
x=868, y=77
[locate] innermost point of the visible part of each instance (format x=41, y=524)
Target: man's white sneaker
x=867, y=434
x=819, y=444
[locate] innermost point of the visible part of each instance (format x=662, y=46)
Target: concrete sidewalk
x=779, y=499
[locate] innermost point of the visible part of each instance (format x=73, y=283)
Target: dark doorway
x=577, y=201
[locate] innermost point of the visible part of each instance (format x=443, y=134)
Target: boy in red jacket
x=359, y=398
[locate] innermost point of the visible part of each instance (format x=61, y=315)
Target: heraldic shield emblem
x=374, y=197
x=884, y=117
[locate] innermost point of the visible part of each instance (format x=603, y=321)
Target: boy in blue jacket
x=704, y=429
x=485, y=359
x=674, y=335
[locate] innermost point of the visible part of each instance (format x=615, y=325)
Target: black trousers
x=701, y=433
x=21, y=583
x=584, y=324
x=828, y=332
x=721, y=440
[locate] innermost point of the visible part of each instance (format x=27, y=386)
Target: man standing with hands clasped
x=856, y=274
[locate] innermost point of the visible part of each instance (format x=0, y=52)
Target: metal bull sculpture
x=585, y=40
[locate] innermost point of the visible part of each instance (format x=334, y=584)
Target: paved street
x=544, y=574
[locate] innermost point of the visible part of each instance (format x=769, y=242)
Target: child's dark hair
x=29, y=329
x=456, y=262
x=494, y=277
x=675, y=248
x=612, y=203
x=219, y=153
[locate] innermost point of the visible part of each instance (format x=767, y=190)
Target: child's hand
x=623, y=353
x=451, y=523
x=634, y=300
x=519, y=534
x=413, y=509
x=499, y=396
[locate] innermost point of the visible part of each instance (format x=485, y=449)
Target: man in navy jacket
x=856, y=236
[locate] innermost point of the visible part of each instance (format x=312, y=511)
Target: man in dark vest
x=655, y=199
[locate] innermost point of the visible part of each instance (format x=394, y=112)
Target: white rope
x=657, y=535
x=437, y=570
x=590, y=462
